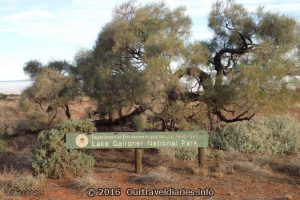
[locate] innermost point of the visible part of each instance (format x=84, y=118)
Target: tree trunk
x=52, y=118
x=67, y=111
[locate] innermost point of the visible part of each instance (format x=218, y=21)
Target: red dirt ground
x=116, y=169
x=275, y=179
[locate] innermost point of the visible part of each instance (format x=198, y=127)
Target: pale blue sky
x=57, y=29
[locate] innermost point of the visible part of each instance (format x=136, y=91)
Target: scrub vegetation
x=51, y=158
x=145, y=73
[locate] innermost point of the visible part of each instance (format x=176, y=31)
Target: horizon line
x=20, y=80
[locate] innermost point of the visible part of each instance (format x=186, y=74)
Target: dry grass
x=252, y=164
x=295, y=111
x=167, y=154
x=10, y=178
x=9, y=116
x=22, y=143
x=88, y=181
x=159, y=175
x=232, y=162
x=10, y=102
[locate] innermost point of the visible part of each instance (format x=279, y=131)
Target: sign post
x=138, y=160
x=140, y=140
x=201, y=157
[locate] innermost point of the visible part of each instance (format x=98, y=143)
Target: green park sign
x=136, y=140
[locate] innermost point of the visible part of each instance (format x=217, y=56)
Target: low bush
x=186, y=153
x=278, y=135
x=7, y=120
x=3, y=96
x=77, y=126
x=36, y=117
x=33, y=121
x=51, y=157
x=3, y=145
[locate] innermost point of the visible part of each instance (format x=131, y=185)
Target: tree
x=60, y=65
x=51, y=88
x=238, y=73
x=131, y=61
x=32, y=68
x=250, y=55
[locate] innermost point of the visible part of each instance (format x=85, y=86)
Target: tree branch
x=235, y=119
x=191, y=71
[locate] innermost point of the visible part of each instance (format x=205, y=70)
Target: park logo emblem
x=82, y=140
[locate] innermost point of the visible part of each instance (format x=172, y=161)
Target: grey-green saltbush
x=77, y=126
x=278, y=135
x=51, y=157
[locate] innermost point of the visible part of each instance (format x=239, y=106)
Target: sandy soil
x=232, y=175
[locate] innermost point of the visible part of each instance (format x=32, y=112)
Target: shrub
x=33, y=121
x=51, y=157
x=278, y=135
x=7, y=120
x=3, y=145
x=36, y=117
x=78, y=126
x=3, y=96
x=186, y=153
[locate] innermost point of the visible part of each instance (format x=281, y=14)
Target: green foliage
x=132, y=57
x=235, y=74
x=252, y=53
x=279, y=135
x=51, y=157
x=34, y=115
x=140, y=123
x=277, y=28
x=71, y=126
x=32, y=68
x=143, y=57
x=52, y=88
x=229, y=19
x=24, y=103
x=50, y=92
x=61, y=66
